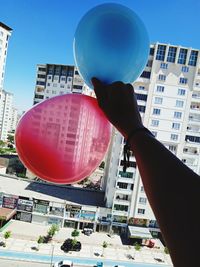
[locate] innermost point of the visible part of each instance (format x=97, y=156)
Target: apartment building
x=168, y=95
x=5, y=33
x=53, y=80
x=6, y=114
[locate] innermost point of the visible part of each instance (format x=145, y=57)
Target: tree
x=10, y=139
x=104, y=245
x=7, y=234
x=40, y=240
x=75, y=233
x=137, y=246
x=53, y=229
x=2, y=143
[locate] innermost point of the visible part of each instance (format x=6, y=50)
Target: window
x=142, y=200
x=78, y=86
x=141, y=211
x=141, y=97
x=53, y=92
x=183, y=80
x=62, y=78
x=141, y=108
x=155, y=123
x=156, y=111
x=182, y=56
x=181, y=91
x=151, y=51
x=62, y=86
x=41, y=76
x=122, y=185
x=48, y=84
x=154, y=133
x=195, y=139
x=40, y=83
x=179, y=103
x=193, y=58
x=174, y=137
x=49, y=77
x=146, y=74
x=55, y=85
x=160, y=88
x=126, y=174
x=176, y=125
x=163, y=65
x=158, y=100
x=141, y=87
x=177, y=115
x=171, y=54
x=161, y=52
x=161, y=77
x=172, y=148
x=185, y=69
x=142, y=188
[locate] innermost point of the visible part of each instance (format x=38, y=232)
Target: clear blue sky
x=43, y=32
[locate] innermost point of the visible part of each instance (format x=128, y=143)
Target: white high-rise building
x=53, y=80
x=6, y=110
x=14, y=119
x=5, y=33
x=168, y=95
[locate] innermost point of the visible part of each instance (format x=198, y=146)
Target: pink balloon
x=63, y=139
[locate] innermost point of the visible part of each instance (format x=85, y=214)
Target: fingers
x=100, y=91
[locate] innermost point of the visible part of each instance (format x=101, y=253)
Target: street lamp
x=52, y=251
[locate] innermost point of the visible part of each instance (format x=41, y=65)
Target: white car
x=64, y=263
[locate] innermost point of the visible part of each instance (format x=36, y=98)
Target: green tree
x=7, y=235
x=137, y=246
x=104, y=245
x=40, y=241
x=74, y=242
x=53, y=229
x=10, y=139
x=166, y=250
x=2, y=143
x=75, y=233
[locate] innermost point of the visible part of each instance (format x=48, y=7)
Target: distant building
x=5, y=33
x=14, y=119
x=6, y=112
x=53, y=80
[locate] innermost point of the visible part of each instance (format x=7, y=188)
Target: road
x=14, y=263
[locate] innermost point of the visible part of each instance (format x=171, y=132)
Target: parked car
x=69, y=246
x=87, y=231
x=64, y=263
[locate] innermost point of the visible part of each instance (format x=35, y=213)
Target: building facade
x=168, y=96
x=53, y=80
x=5, y=33
x=6, y=114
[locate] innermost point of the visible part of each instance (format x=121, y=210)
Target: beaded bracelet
x=127, y=147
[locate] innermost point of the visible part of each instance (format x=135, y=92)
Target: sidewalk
x=24, y=239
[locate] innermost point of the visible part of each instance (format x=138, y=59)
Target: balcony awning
x=6, y=214
x=139, y=232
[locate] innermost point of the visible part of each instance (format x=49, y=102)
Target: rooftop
x=5, y=26
x=50, y=192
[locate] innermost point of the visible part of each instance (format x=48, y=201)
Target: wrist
x=136, y=131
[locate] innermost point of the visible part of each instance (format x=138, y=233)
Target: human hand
x=119, y=104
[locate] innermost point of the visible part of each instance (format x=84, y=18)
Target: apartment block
x=168, y=96
x=53, y=80
x=5, y=33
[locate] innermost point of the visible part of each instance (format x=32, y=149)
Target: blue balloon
x=110, y=43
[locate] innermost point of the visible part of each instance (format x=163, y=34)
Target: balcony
x=122, y=201
x=126, y=180
x=126, y=191
x=120, y=212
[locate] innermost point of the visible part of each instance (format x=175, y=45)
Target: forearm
x=167, y=182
